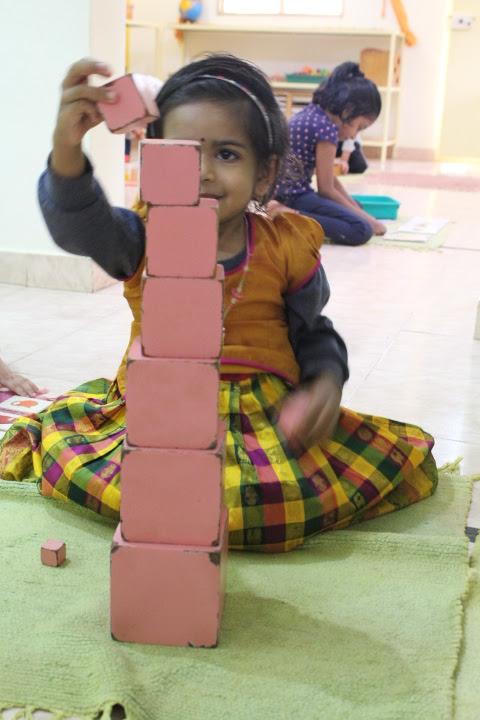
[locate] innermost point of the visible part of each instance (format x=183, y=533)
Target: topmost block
x=170, y=172
x=135, y=106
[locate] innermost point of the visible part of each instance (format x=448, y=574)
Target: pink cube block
x=167, y=594
x=170, y=172
x=53, y=553
x=172, y=496
x=182, y=241
x=182, y=317
x=135, y=106
x=171, y=403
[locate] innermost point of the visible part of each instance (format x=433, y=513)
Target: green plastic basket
x=304, y=78
x=381, y=207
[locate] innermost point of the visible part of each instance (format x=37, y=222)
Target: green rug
x=468, y=692
x=362, y=624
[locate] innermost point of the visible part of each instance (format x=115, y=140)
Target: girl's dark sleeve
x=316, y=344
x=82, y=221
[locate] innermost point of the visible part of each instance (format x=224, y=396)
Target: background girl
x=342, y=106
x=280, y=354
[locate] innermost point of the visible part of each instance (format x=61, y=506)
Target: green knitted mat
x=364, y=624
x=467, y=689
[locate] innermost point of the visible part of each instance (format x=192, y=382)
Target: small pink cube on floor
x=167, y=594
x=182, y=241
x=171, y=403
x=172, y=496
x=135, y=106
x=182, y=317
x=53, y=552
x=170, y=172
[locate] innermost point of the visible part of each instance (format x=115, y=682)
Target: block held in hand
x=135, y=106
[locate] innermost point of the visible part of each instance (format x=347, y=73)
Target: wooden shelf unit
x=288, y=92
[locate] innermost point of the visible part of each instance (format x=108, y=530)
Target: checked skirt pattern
x=276, y=498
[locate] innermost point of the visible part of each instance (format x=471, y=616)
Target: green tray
x=382, y=207
x=304, y=78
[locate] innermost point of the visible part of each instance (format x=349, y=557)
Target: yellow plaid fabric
x=275, y=497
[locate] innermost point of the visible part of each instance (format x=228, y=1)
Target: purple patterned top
x=307, y=128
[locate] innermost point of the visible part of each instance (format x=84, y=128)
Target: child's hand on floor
x=310, y=415
x=17, y=383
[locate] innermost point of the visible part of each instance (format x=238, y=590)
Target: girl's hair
x=261, y=116
x=348, y=94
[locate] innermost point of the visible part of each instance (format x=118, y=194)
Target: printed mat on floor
x=13, y=406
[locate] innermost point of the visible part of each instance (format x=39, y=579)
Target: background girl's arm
x=330, y=187
x=341, y=189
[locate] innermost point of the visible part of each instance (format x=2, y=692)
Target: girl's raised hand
x=310, y=415
x=77, y=114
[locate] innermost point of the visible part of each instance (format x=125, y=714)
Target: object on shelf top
x=308, y=75
x=190, y=10
x=305, y=75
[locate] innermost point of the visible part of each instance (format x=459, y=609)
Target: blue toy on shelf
x=382, y=207
x=190, y=10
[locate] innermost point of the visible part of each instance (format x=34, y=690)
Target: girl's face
x=229, y=170
x=350, y=129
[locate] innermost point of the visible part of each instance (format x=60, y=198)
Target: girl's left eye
x=226, y=154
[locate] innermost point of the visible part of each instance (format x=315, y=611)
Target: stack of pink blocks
x=169, y=550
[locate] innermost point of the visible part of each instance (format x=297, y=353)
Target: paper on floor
x=406, y=236
x=423, y=225
x=24, y=405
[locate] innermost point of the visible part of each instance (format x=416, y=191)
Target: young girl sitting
x=344, y=105
x=340, y=466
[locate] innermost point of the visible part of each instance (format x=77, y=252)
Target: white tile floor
x=407, y=316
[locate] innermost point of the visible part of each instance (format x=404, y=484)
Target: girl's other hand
x=310, y=415
x=77, y=114
x=379, y=228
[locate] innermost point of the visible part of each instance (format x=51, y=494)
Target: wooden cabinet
x=282, y=49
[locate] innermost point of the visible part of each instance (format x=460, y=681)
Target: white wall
x=107, y=43
x=38, y=41
x=459, y=136
x=422, y=82
x=423, y=78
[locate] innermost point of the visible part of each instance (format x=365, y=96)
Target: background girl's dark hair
x=184, y=87
x=348, y=94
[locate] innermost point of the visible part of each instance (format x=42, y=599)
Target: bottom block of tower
x=167, y=594
x=172, y=496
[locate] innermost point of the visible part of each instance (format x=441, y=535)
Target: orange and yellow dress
x=275, y=497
